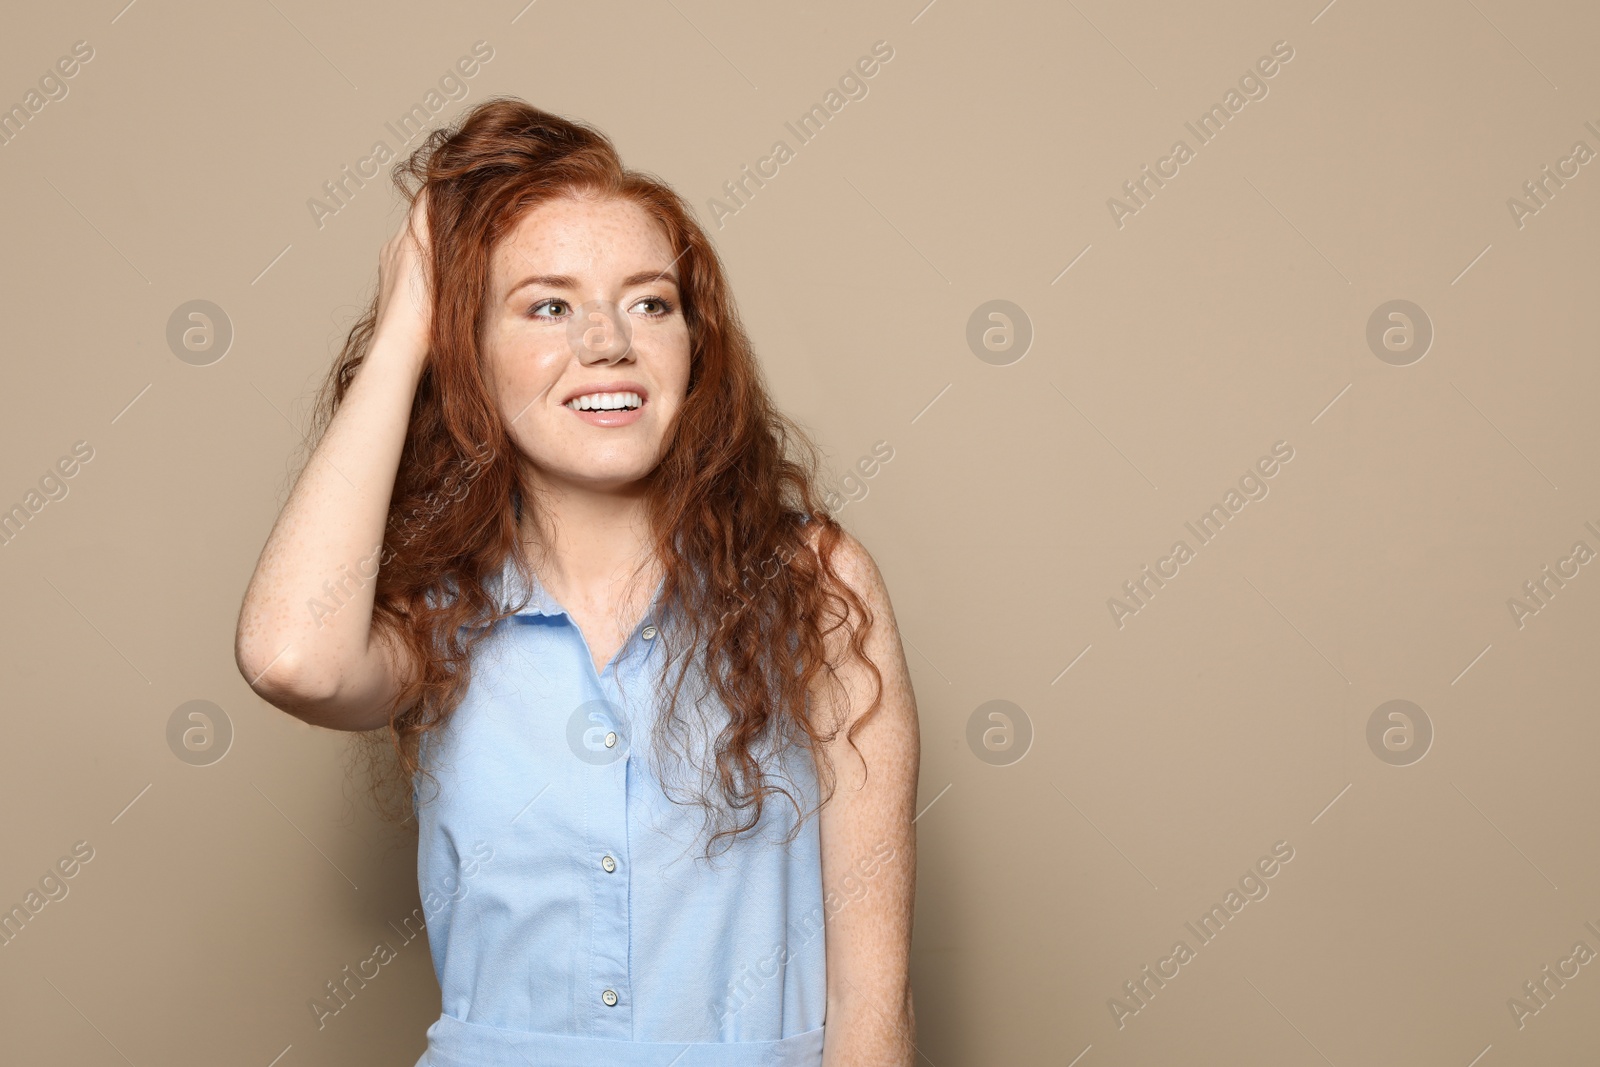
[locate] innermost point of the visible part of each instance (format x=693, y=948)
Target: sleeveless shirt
x=571, y=914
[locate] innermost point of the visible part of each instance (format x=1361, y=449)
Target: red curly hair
x=752, y=582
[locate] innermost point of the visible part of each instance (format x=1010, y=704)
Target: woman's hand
x=405, y=289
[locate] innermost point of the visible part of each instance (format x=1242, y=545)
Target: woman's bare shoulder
x=849, y=557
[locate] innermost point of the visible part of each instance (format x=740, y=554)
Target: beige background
x=1228, y=314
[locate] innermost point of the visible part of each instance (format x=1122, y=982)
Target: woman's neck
x=587, y=547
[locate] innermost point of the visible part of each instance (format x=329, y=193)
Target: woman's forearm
x=862, y=1034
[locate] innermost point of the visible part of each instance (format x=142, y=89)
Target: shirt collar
x=533, y=600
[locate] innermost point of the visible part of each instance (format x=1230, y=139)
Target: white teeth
x=605, y=401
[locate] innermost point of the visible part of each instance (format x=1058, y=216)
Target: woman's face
x=584, y=300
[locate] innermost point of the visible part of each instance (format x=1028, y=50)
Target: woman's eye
x=534, y=311
x=662, y=307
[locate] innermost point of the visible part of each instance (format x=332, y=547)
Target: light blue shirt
x=570, y=913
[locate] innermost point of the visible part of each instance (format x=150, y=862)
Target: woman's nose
x=598, y=332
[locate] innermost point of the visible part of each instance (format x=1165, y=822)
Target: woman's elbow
x=279, y=675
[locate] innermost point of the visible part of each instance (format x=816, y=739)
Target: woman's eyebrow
x=566, y=281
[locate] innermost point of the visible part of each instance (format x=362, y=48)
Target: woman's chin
x=598, y=478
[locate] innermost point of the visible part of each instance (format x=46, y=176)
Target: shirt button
x=648, y=632
x=610, y=997
x=611, y=739
x=609, y=864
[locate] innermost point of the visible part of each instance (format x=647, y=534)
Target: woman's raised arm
x=305, y=641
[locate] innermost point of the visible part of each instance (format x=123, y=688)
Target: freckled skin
x=534, y=361
x=871, y=1021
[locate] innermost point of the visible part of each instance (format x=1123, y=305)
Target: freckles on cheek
x=525, y=376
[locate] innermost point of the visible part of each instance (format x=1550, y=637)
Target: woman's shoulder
x=849, y=556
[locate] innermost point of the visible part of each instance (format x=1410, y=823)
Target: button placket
x=612, y=1009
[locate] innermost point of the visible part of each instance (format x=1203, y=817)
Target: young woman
x=556, y=543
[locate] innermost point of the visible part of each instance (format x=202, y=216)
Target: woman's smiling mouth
x=609, y=409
